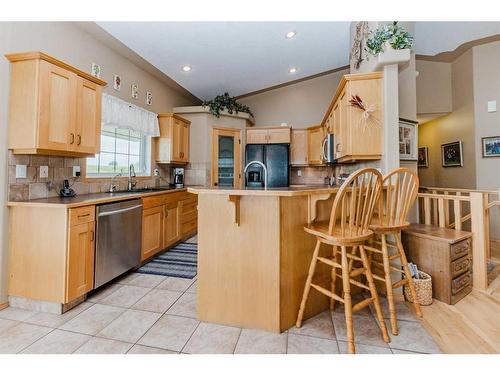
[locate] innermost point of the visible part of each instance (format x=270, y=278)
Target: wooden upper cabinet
x=172, y=146
x=298, y=147
x=268, y=135
x=88, y=117
x=315, y=136
x=54, y=108
x=357, y=137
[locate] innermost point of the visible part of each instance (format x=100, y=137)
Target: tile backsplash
x=60, y=169
x=311, y=175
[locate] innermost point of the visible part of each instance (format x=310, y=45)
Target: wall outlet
x=299, y=172
x=76, y=171
x=492, y=106
x=44, y=171
x=156, y=172
x=21, y=171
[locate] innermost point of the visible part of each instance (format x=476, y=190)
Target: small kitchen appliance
x=178, y=177
x=66, y=191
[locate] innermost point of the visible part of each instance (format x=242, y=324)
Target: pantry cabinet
x=54, y=108
x=357, y=132
x=172, y=146
x=269, y=135
x=298, y=147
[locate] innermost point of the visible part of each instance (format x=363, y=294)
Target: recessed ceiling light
x=186, y=68
x=290, y=34
x=292, y=70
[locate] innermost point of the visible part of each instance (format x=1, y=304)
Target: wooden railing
x=452, y=208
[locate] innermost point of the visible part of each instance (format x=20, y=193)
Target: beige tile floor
x=148, y=314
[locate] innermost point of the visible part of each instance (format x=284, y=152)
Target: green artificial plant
x=225, y=102
x=395, y=35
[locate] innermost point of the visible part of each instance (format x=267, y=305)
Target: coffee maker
x=178, y=177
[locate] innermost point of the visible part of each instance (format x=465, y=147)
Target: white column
x=390, y=158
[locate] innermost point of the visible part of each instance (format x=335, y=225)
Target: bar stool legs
x=404, y=262
x=346, y=285
x=307, y=287
x=388, y=286
x=334, y=277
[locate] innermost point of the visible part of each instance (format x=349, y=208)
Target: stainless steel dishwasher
x=118, y=245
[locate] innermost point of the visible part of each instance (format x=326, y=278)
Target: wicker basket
x=423, y=286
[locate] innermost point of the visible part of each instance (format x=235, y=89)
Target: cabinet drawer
x=184, y=218
x=188, y=207
x=459, y=249
x=461, y=282
x=460, y=266
x=189, y=227
x=81, y=215
x=154, y=201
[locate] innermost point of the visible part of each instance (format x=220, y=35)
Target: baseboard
x=4, y=305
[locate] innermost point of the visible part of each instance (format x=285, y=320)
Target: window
x=119, y=149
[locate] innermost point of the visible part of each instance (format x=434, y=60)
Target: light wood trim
x=235, y=199
x=4, y=305
x=173, y=115
x=23, y=56
x=479, y=250
x=238, y=147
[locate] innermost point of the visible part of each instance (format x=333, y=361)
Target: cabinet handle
x=79, y=142
x=84, y=215
x=72, y=138
x=92, y=236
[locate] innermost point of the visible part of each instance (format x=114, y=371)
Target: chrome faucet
x=131, y=174
x=113, y=186
x=263, y=167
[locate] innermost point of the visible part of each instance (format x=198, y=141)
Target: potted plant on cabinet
x=390, y=43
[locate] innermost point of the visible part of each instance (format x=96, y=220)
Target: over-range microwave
x=329, y=149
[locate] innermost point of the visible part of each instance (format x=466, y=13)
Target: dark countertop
x=91, y=199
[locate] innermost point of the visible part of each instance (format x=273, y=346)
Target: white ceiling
x=237, y=57
x=241, y=57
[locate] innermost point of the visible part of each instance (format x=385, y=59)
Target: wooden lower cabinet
x=152, y=231
x=80, y=269
x=171, y=225
x=167, y=219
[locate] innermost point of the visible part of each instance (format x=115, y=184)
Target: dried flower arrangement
x=367, y=116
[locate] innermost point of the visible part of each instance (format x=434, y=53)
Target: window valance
x=117, y=113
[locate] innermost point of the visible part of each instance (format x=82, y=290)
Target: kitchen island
x=254, y=254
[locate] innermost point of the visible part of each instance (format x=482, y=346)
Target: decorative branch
x=368, y=110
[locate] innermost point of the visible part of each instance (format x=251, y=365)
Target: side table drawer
x=459, y=249
x=460, y=266
x=461, y=282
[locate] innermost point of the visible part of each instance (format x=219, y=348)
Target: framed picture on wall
x=423, y=157
x=451, y=154
x=491, y=147
x=408, y=139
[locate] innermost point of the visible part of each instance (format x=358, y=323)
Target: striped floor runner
x=180, y=261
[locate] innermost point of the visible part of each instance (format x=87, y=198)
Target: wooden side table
x=446, y=255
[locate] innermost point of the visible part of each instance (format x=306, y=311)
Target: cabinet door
x=343, y=147
x=58, y=93
x=80, y=263
x=184, y=154
x=88, y=117
x=152, y=231
x=298, y=147
x=257, y=136
x=336, y=128
x=171, y=224
x=226, y=157
x=278, y=135
x=314, y=147
x=177, y=137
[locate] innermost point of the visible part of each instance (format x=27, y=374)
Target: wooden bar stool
x=400, y=188
x=348, y=229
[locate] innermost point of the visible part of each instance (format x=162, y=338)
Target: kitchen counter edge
x=283, y=192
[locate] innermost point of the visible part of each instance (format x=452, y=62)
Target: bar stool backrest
x=354, y=203
x=399, y=191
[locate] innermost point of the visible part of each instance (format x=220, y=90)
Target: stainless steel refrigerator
x=276, y=158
